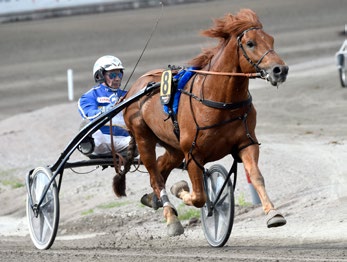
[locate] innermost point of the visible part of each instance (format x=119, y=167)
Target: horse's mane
x=224, y=28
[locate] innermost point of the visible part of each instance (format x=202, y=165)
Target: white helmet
x=105, y=63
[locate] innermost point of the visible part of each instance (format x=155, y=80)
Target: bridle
x=255, y=65
x=260, y=73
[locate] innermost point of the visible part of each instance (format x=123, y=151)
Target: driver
x=108, y=73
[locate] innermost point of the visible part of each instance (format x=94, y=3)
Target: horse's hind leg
x=197, y=197
x=250, y=156
x=168, y=161
x=172, y=158
x=148, y=156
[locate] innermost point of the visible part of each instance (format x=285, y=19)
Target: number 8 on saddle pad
x=165, y=87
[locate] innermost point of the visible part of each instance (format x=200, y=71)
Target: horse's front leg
x=249, y=157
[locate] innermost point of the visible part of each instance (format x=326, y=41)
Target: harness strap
x=252, y=140
x=198, y=128
x=243, y=118
x=173, y=118
x=116, y=164
x=219, y=105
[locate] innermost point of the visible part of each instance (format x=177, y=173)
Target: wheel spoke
x=221, y=200
x=48, y=219
x=48, y=200
x=41, y=234
x=216, y=225
x=212, y=191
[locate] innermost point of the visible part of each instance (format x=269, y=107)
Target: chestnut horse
x=215, y=116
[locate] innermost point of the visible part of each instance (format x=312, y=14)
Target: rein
x=249, y=75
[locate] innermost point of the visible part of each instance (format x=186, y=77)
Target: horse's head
x=256, y=53
x=254, y=48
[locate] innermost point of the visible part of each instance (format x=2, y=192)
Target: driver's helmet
x=103, y=64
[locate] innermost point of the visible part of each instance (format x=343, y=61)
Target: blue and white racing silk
x=94, y=102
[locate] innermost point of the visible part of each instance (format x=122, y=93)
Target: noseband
x=255, y=65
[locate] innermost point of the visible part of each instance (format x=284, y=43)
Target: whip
x=149, y=39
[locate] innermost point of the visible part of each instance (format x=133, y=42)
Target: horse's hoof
x=175, y=229
x=151, y=200
x=179, y=187
x=275, y=219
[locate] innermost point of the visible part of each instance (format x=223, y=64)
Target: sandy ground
x=301, y=125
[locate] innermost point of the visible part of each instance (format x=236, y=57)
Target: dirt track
x=302, y=127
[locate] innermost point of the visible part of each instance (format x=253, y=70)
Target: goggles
x=113, y=75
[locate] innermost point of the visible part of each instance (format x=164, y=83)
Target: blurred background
x=41, y=40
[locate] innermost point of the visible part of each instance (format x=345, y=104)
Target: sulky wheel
x=43, y=221
x=343, y=72
x=218, y=224
x=342, y=65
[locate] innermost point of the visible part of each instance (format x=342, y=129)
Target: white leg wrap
x=165, y=200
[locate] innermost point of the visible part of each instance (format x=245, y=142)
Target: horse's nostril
x=280, y=70
x=276, y=70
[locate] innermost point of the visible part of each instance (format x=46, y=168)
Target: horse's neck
x=229, y=88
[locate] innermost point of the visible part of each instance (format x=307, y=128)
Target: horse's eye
x=250, y=44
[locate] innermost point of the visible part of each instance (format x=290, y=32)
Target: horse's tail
x=119, y=183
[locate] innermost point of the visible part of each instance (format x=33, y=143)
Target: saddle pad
x=183, y=77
